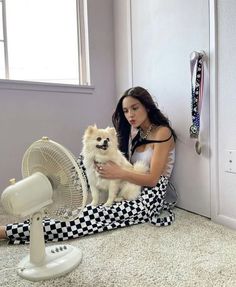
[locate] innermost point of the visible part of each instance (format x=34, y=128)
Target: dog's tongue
x=104, y=147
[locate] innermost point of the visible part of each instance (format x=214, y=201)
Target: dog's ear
x=91, y=129
x=111, y=131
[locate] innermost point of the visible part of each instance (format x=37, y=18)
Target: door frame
x=216, y=216
x=214, y=149
x=213, y=94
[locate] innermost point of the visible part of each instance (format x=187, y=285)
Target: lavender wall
x=28, y=112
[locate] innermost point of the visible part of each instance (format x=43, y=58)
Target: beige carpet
x=192, y=252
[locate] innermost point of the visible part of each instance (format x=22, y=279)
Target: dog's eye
x=99, y=139
x=108, y=139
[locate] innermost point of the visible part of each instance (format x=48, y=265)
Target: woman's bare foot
x=3, y=232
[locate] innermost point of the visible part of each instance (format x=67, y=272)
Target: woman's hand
x=110, y=170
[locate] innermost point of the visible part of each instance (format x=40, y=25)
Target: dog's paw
x=108, y=203
x=94, y=203
x=119, y=199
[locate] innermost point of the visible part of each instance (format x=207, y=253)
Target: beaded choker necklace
x=145, y=135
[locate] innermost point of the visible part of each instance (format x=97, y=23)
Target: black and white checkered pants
x=146, y=208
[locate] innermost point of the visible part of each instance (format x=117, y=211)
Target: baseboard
x=190, y=211
x=225, y=220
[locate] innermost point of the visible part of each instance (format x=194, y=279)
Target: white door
x=164, y=33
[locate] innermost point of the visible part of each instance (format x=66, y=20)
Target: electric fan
x=52, y=185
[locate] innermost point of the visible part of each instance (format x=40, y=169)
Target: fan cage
x=68, y=181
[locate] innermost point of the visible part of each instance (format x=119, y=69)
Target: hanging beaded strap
x=197, y=79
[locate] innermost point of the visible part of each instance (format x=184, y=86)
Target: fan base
x=59, y=260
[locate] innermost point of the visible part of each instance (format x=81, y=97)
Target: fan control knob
x=45, y=138
x=12, y=181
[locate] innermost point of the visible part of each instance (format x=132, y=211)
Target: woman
x=144, y=133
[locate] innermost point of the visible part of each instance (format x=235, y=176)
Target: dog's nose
x=105, y=142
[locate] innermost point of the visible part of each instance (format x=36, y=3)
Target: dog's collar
x=97, y=162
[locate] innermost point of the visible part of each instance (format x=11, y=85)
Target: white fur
x=117, y=189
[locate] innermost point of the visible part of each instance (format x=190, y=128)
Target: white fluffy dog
x=100, y=146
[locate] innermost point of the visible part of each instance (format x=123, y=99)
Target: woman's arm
x=158, y=162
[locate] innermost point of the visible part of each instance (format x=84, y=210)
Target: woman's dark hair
x=121, y=124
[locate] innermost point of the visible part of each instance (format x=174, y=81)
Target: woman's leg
x=98, y=219
x=95, y=220
x=159, y=204
x=91, y=220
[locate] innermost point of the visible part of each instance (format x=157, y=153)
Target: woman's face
x=135, y=112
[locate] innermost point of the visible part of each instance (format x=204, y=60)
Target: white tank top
x=146, y=156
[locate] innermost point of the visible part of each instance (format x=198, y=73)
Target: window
x=44, y=41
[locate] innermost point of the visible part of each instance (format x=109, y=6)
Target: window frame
x=83, y=58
